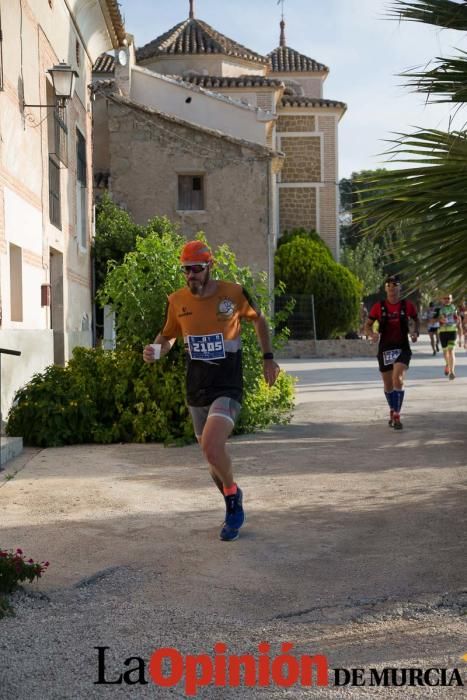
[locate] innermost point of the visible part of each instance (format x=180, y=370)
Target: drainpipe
x=1, y=51
x=271, y=232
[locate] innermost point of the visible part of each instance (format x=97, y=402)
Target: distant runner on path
x=449, y=324
x=206, y=314
x=394, y=353
x=433, y=327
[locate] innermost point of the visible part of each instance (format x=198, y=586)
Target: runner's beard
x=197, y=286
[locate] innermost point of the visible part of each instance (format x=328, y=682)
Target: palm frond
x=448, y=78
x=430, y=199
x=441, y=13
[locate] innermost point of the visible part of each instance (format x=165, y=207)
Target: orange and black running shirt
x=210, y=328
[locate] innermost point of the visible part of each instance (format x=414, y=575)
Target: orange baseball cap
x=195, y=251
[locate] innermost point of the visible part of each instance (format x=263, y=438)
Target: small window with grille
x=81, y=191
x=55, y=215
x=191, y=193
x=57, y=132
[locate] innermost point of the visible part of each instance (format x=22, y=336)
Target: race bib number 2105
x=206, y=347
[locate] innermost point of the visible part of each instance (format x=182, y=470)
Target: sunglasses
x=194, y=268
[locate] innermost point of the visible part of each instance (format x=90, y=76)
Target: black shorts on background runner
x=447, y=337
x=404, y=357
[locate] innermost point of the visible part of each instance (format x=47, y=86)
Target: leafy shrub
x=116, y=235
x=52, y=409
x=294, y=262
x=305, y=267
x=138, y=288
x=113, y=396
x=104, y=397
x=308, y=235
x=337, y=299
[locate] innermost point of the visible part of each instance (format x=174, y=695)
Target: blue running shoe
x=234, y=517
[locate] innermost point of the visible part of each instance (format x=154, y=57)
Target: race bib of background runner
x=206, y=347
x=390, y=356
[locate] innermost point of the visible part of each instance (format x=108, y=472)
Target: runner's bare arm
x=270, y=368
x=415, y=332
x=368, y=329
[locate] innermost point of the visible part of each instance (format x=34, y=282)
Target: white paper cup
x=156, y=350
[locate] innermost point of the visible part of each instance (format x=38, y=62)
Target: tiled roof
x=295, y=101
x=193, y=36
x=245, y=81
x=102, y=85
x=117, y=21
x=104, y=64
x=287, y=60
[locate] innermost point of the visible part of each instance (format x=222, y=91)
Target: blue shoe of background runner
x=234, y=517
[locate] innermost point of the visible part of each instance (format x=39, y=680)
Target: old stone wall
x=327, y=348
x=329, y=194
x=148, y=153
x=302, y=159
x=297, y=206
x=296, y=122
x=309, y=159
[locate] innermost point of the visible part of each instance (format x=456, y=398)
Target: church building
x=219, y=138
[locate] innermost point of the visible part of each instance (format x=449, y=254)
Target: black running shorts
x=448, y=339
x=387, y=357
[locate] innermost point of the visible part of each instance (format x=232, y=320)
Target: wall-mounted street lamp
x=63, y=80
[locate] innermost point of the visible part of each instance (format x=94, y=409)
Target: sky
x=363, y=50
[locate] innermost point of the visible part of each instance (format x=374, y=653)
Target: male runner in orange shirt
x=206, y=314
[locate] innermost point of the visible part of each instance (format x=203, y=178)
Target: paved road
x=354, y=546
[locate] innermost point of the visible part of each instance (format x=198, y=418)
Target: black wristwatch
x=268, y=356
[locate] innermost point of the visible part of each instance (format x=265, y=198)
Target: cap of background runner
x=392, y=278
x=195, y=252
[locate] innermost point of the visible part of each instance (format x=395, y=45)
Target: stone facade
x=302, y=159
x=296, y=122
x=275, y=101
x=329, y=193
x=236, y=178
x=297, y=208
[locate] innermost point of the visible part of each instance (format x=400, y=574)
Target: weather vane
x=281, y=2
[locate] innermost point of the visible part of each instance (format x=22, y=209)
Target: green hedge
x=113, y=396
x=106, y=396
x=306, y=267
